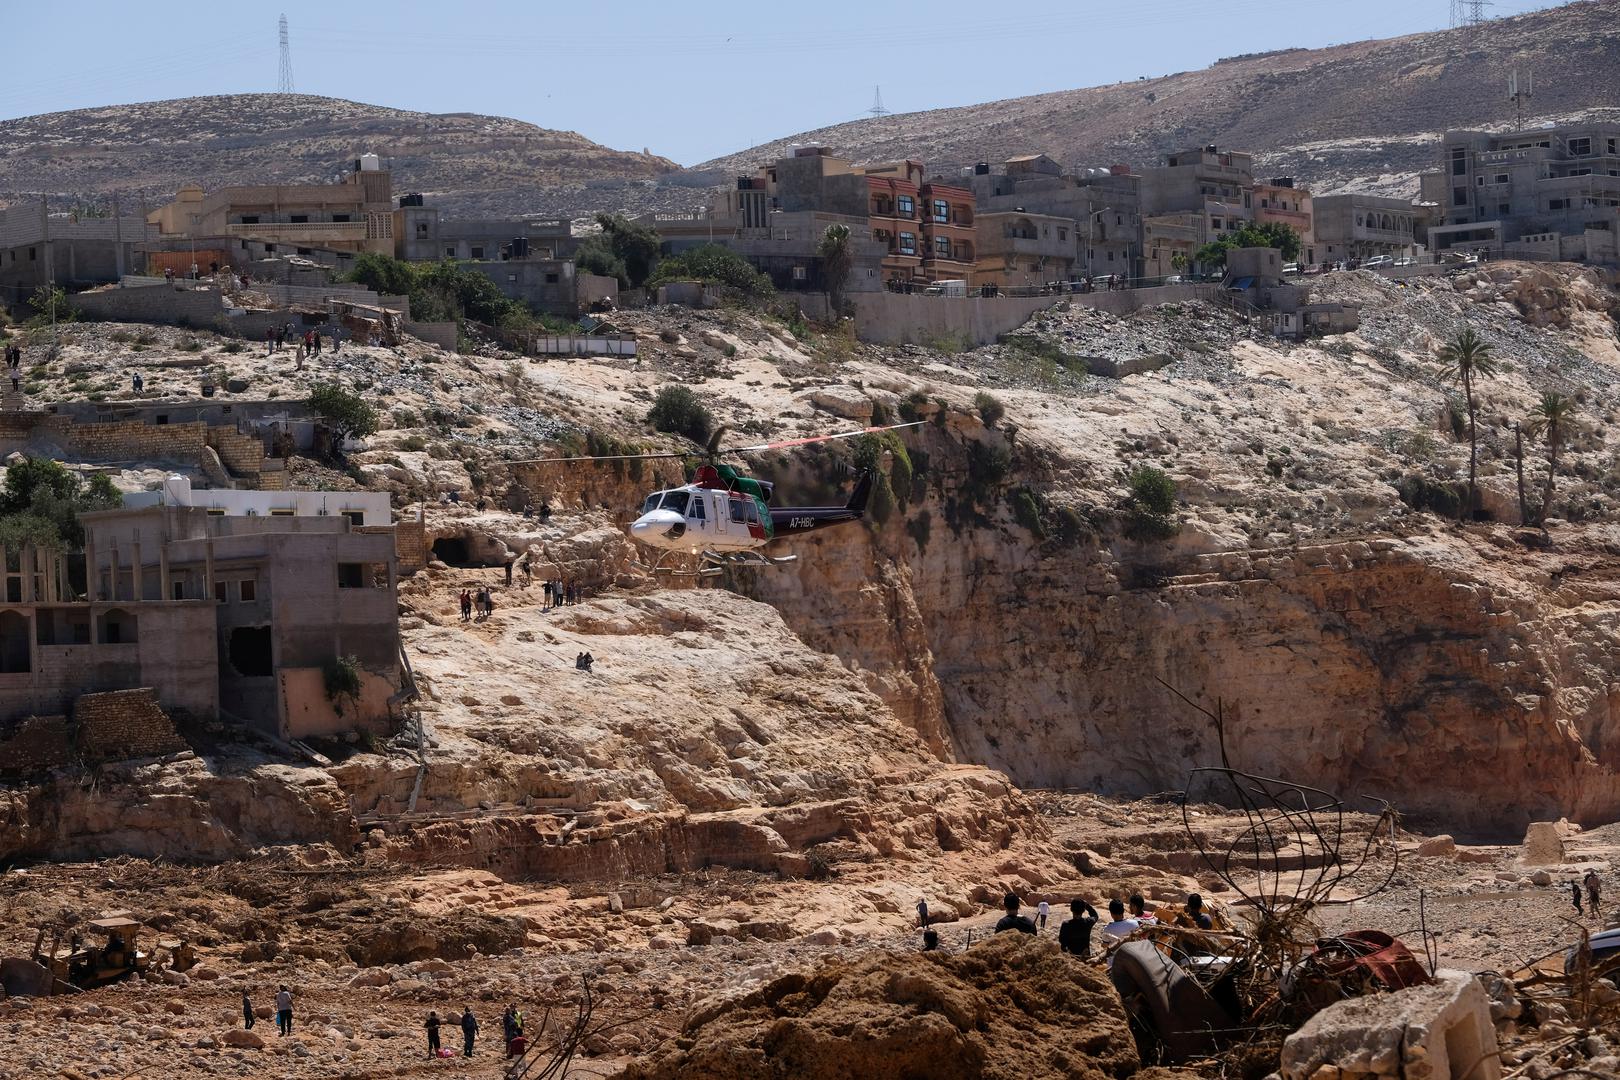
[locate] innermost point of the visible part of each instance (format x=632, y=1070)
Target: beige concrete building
x=1213, y=185
x=356, y=215
x=1359, y=227
x=1023, y=249
x=1280, y=201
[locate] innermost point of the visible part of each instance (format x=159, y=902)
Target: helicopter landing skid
x=747, y=558
x=658, y=569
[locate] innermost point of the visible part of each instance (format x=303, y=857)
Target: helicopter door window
x=676, y=501
x=697, y=513
x=738, y=513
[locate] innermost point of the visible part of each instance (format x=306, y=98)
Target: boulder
x=242, y=1038
x=1428, y=1032
x=1543, y=846
x=1438, y=847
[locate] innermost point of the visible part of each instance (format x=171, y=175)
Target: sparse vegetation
x=1552, y=417
x=715, y=265
x=1149, y=504
x=991, y=410
x=346, y=413
x=678, y=411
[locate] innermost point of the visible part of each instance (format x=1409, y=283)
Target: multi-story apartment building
x=1358, y=226
x=1103, y=206
x=1280, y=201
x=894, y=192
x=1552, y=192
x=1017, y=248
x=353, y=216
x=1209, y=189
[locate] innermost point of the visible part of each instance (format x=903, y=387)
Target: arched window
x=119, y=627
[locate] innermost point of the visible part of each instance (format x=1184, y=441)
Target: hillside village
x=1201, y=541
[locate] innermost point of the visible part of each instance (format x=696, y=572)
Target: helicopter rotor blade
x=782, y=444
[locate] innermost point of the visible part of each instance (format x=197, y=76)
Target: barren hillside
x=1363, y=115
x=472, y=165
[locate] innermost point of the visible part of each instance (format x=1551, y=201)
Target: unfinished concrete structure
x=1104, y=207
x=1280, y=201
x=37, y=247
x=422, y=233
x=1024, y=249
x=255, y=608
x=1208, y=190
x=1551, y=193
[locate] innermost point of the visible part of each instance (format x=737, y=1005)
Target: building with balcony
x=1358, y=227
x=1507, y=192
x=895, y=215
x=1212, y=184
x=1103, y=205
x=1022, y=249
x=355, y=215
x=949, y=236
x=1280, y=201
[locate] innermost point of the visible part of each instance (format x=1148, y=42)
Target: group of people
x=1074, y=936
x=309, y=343
x=284, y=1010
x=511, y=1028
x=481, y=601
x=14, y=365
x=559, y=593
x=1594, y=892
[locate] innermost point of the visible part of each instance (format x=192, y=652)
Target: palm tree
x=1465, y=358
x=837, y=259
x=1553, y=416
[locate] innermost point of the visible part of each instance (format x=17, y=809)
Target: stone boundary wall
x=442, y=334
x=411, y=546
x=152, y=303
x=212, y=448
x=113, y=725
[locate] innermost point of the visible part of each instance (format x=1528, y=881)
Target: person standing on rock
x=432, y=1026
x=1042, y=910
x=545, y=592
x=469, y=1030
x=1594, y=890
x=1575, y=897
x=247, y=1011
x=922, y=914
x=466, y=605
x=1012, y=920
x=284, y=1000
x=1074, y=936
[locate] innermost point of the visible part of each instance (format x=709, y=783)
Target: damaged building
x=226, y=610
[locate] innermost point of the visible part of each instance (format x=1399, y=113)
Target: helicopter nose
x=659, y=528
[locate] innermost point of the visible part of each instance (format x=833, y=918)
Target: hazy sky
x=690, y=81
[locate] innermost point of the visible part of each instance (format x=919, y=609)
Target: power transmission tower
x=285, y=84
x=1468, y=13
x=877, y=108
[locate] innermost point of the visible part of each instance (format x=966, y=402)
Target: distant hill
x=1364, y=115
x=474, y=165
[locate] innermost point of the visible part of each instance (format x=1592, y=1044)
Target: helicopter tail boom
x=798, y=519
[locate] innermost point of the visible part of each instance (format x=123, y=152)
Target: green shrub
x=414, y=443
x=716, y=265
x=341, y=674
x=987, y=467
x=233, y=347
x=1443, y=497
x=346, y=413
x=990, y=408
x=1150, y=504
x=1026, y=508
x=678, y=411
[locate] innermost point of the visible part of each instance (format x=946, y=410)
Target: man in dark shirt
x=1074, y=936
x=1196, y=912
x=1012, y=920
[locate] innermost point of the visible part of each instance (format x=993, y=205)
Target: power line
x=285, y=84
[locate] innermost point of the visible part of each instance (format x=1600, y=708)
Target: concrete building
x=1023, y=249
x=894, y=193
x=361, y=508
x=424, y=234
x=1358, y=226
x=37, y=246
x=1551, y=192
x=284, y=597
x=1280, y=201
x=355, y=215
x=1104, y=206
x=1211, y=185
x=550, y=286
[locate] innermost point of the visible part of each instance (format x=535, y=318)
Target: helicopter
x=726, y=517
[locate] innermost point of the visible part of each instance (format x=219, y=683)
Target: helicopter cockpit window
x=737, y=513
x=752, y=511
x=676, y=501
x=652, y=502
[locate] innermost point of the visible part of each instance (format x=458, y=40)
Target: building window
x=942, y=247
x=177, y=590
x=942, y=211
x=1504, y=208
x=216, y=511
x=450, y=252
x=340, y=217
x=478, y=253
x=1459, y=162
x=356, y=518
x=1500, y=178
x=908, y=244
x=219, y=591
x=247, y=590
x=551, y=279
x=250, y=219
x=1215, y=223
x=907, y=205
x=1459, y=196
x=1580, y=147
x=1557, y=204
x=282, y=511
x=298, y=219
x=351, y=575
x=1063, y=234
x=31, y=254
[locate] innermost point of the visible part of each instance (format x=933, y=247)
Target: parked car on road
x=1376, y=261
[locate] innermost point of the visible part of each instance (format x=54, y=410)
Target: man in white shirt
x=1042, y=909
x=1120, y=928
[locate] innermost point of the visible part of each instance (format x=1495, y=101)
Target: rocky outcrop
x=1009, y=1009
